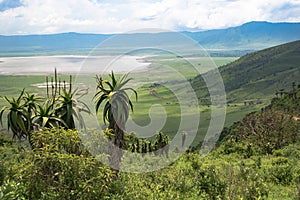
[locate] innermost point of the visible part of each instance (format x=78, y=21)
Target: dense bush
x=53, y=173
x=261, y=133
x=2, y=173
x=12, y=189
x=210, y=184
x=64, y=176
x=58, y=166
x=177, y=181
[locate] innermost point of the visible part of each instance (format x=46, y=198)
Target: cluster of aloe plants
x=62, y=107
x=31, y=112
x=157, y=145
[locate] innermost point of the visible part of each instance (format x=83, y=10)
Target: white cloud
x=102, y=16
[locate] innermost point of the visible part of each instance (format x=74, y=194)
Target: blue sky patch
x=9, y=4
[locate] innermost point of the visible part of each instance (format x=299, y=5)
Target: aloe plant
x=18, y=117
x=69, y=108
x=32, y=101
x=46, y=115
x=29, y=111
x=117, y=104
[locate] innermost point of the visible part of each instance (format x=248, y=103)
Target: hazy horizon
x=149, y=30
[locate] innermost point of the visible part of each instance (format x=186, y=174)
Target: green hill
x=268, y=130
x=259, y=74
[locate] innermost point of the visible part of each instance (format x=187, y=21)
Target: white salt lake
x=71, y=64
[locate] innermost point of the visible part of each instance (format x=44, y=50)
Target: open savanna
x=153, y=87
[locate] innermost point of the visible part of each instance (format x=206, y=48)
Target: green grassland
x=159, y=72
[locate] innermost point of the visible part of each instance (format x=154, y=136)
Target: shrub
x=59, y=167
x=281, y=171
x=65, y=176
x=210, y=184
x=244, y=182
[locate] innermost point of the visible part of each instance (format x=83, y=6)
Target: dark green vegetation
x=270, y=129
x=58, y=167
x=257, y=158
x=260, y=74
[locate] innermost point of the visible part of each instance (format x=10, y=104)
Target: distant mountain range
x=249, y=36
x=259, y=74
x=252, y=35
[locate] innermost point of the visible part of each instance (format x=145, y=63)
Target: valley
x=215, y=124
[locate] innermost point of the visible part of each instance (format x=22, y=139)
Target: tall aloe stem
x=47, y=87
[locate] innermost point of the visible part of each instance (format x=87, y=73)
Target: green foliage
x=46, y=117
x=210, y=184
x=60, y=140
x=12, y=190
x=245, y=182
x=95, y=142
x=288, y=102
x=31, y=101
x=281, y=171
x=264, y=132
x=174, y=182
x=2, y=173
x=60, y=167
x=157, y=145
x=67, y=176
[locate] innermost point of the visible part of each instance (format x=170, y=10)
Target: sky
x=120, y=16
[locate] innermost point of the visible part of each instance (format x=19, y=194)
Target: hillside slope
x=259, y=74
x=270, y=129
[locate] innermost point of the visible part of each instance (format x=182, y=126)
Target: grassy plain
x=162, y=72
